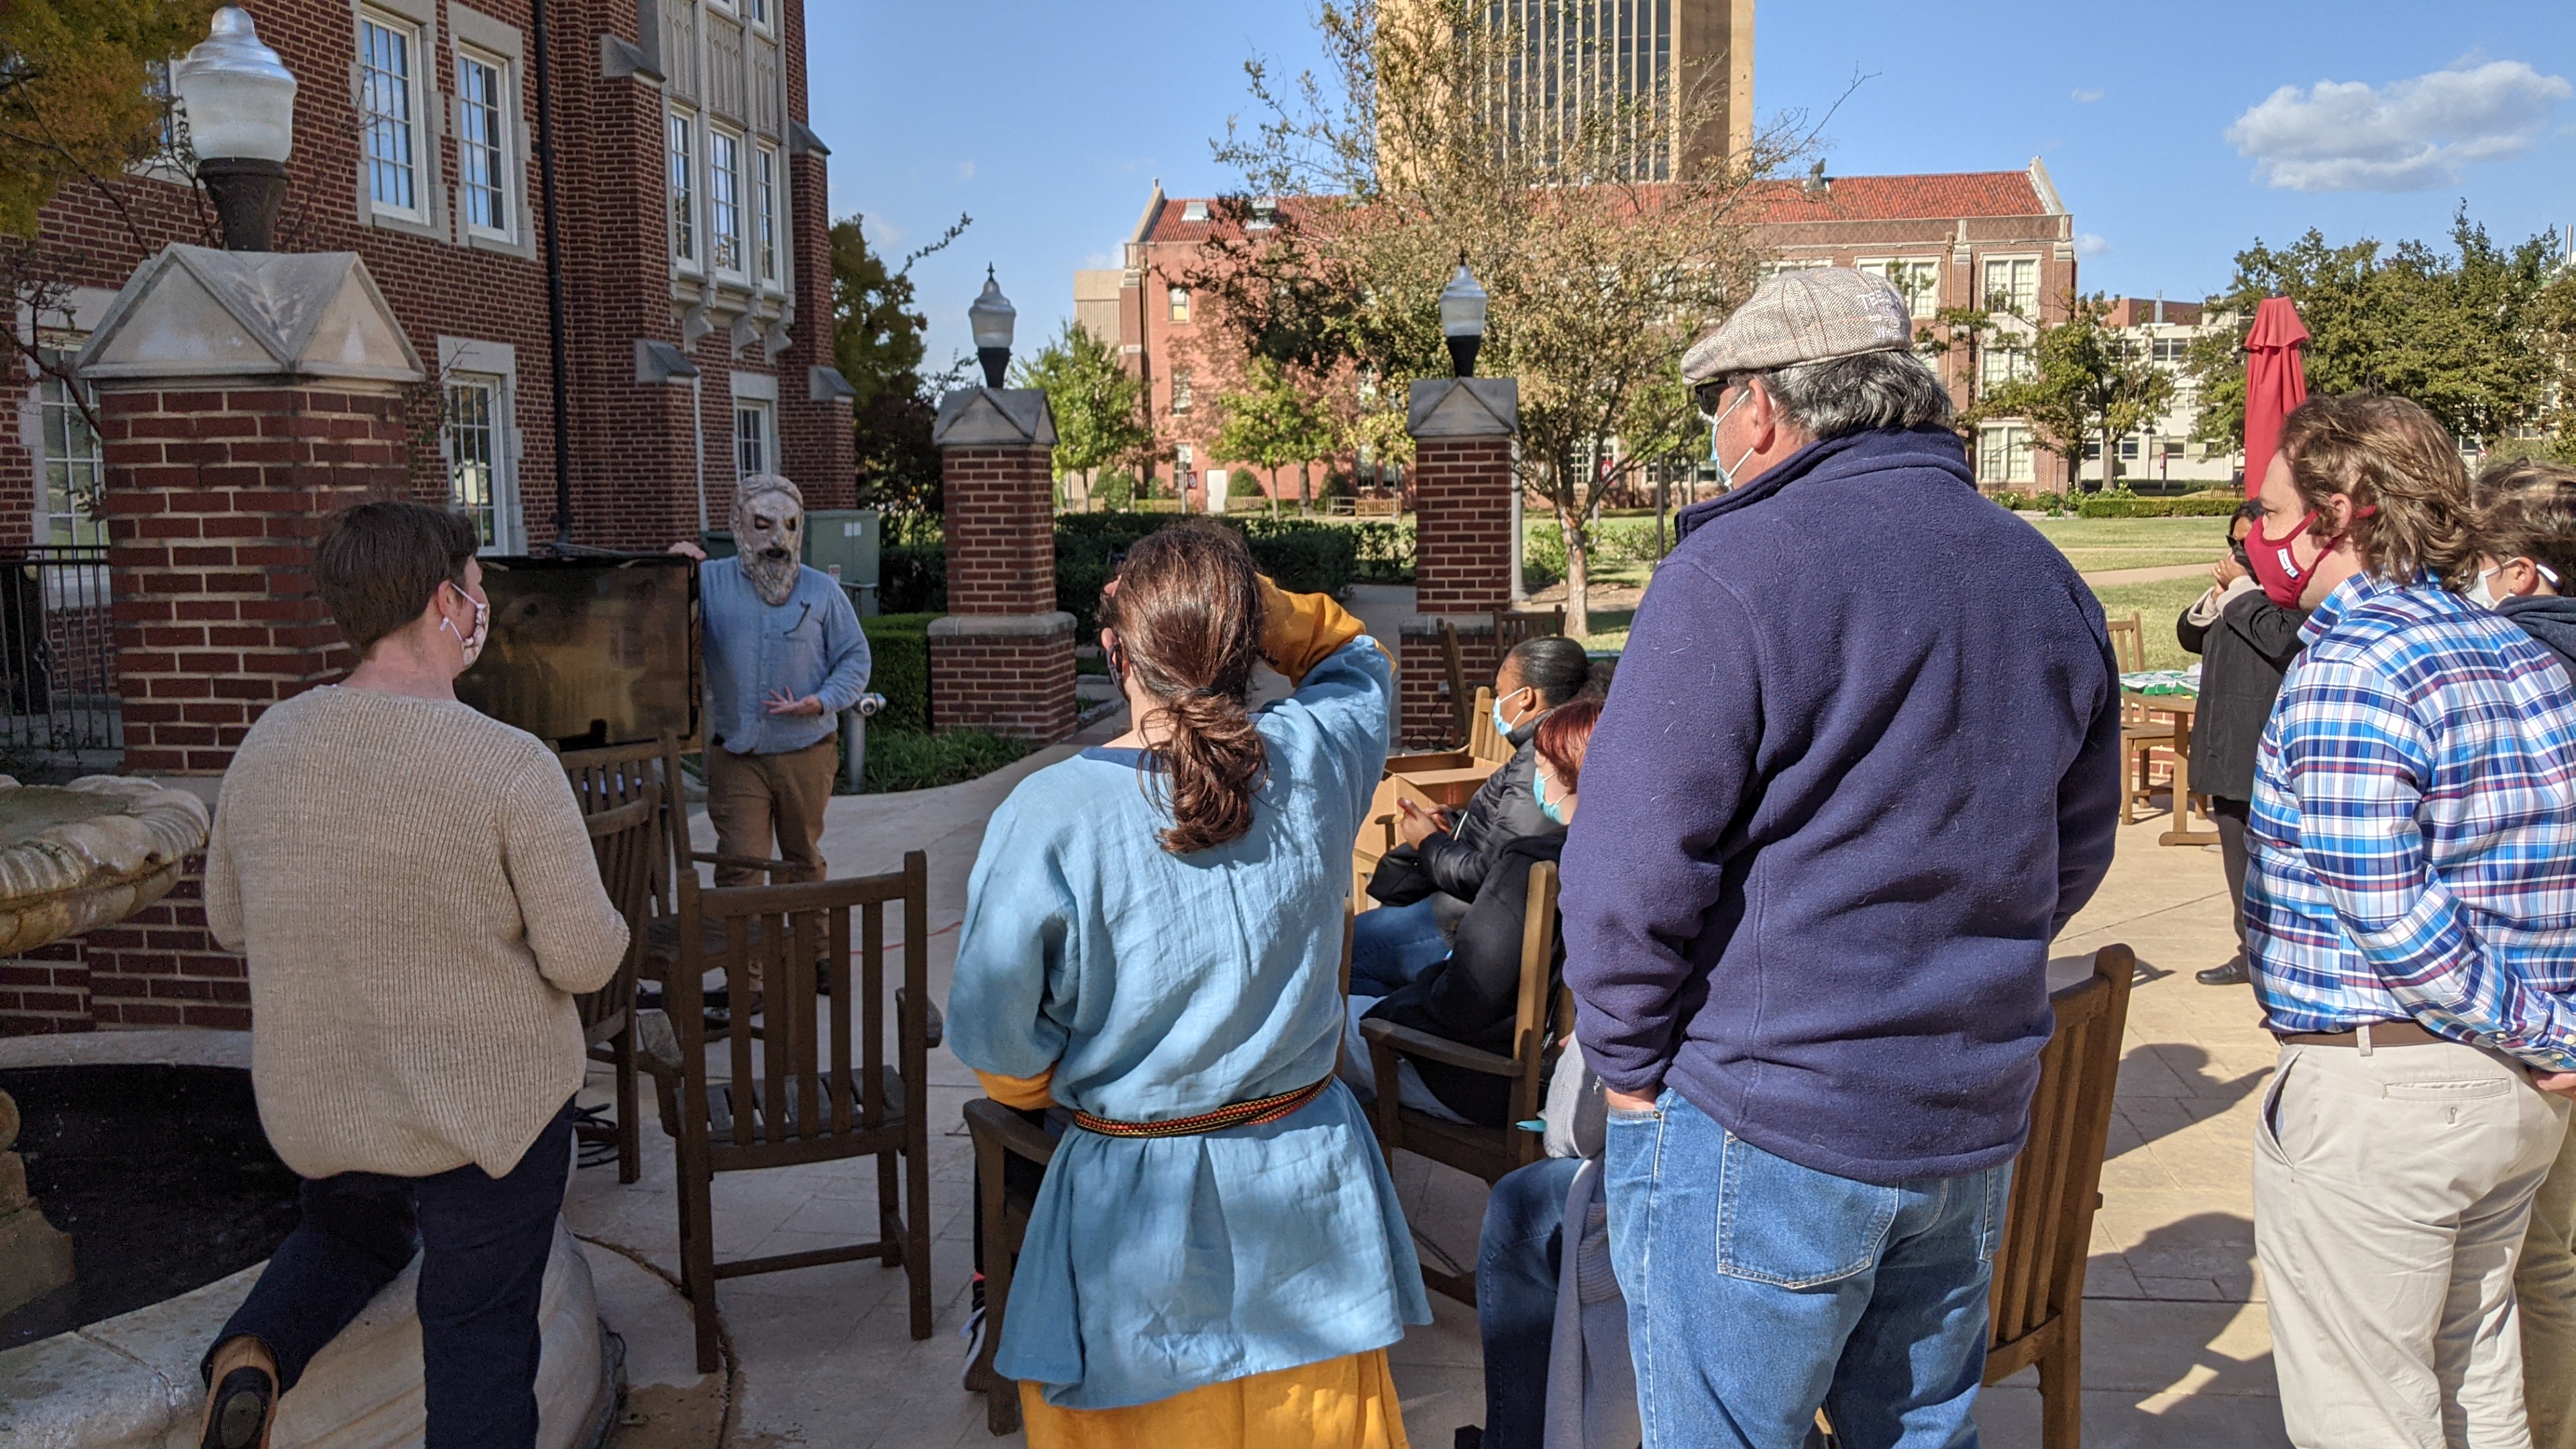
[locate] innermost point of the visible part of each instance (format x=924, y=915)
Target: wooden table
x=2181, y=707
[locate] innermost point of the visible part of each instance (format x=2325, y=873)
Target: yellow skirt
x=1341, y=1403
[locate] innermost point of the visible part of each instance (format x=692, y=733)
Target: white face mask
x=472, y=643
x=1725, y=473
x=2482, y=593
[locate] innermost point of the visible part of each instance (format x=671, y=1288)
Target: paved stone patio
x=2177, y=1351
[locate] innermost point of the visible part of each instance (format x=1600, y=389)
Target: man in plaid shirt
x=2411, y=915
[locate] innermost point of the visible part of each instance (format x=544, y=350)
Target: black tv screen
x=586, y=652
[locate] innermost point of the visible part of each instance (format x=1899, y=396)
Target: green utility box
x=842, y=542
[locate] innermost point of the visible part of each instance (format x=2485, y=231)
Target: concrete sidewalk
x=2176, y=1348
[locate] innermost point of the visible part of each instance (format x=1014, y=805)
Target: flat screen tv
x=588, y=652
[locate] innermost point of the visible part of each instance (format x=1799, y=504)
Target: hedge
x=899, y=648
x=926, y=761
x=2122, y=504
x=912, y=578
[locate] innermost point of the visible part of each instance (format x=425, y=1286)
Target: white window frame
x=726, y=252
x=2007, y=445
x=763, y=415
x=1918, y=278
x=69, y=457
x=768, y=234
x=1986, y=289
x=467, y=362
x=420, y=137
x=1181, y=391
x=1177, y=304
x=503, y=146
x=680, y=164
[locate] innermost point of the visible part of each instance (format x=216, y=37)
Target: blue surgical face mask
x=1502, y=726
x=1725, y=474
x=1552, y=809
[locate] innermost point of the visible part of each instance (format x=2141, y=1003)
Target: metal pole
x=554, y=278
x=854, y=741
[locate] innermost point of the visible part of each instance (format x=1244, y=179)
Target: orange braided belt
x=1254, y=1113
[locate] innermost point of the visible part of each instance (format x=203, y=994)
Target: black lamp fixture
x=991, y=317
x=240, y=104
x=1462, y=319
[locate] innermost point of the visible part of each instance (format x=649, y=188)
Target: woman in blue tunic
x=1153, y=937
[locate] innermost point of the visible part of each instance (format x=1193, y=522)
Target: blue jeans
x=1759, y=1291
x=1391, y=945
x=1518, y=1256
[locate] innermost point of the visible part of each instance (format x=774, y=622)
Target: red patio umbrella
x=2275, y=382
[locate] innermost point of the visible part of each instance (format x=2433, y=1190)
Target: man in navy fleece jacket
x=1859, y=764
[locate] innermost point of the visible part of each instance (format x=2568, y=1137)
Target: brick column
x=1462, y=547
x=1002, y=657
x=242, y=398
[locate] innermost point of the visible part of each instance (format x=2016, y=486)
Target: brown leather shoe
x=243, y=1403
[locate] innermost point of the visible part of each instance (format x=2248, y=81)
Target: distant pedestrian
x=2408, y=916
x=1836, y=808
x=2245, y=638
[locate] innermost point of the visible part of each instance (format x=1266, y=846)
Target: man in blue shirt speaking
x=784, y=657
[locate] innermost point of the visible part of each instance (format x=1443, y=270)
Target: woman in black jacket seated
x=1472, y=995
x=1429, y=879
x=2245, y=641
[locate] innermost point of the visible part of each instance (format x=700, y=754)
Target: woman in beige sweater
x=415, y=891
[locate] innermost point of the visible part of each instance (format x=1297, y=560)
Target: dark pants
x=2230, y=817
x=483, y=1244
x=1517, y=1260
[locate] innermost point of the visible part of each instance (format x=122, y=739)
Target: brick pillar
x=1002, y=657
x=230, y=432
x=1462, y=548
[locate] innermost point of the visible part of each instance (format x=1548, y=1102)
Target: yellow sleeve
x=1300, y=631
x=1027, y=1094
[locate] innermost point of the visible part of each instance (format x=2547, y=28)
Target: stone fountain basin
x=132, y=1380
x=89, y=853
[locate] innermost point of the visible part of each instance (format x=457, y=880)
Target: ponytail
x=1188, y=618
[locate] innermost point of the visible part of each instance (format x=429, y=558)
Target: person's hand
x=2226, y=571
x=1624, y=1102
x=2556, y=1084
x=781, y=702
x=686, y=549
x=1416, y=824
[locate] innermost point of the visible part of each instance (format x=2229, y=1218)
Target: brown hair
x=380, y=563
x=1188, y=618
x=1564, y=735
x=2527, y=509
x=2389, y=456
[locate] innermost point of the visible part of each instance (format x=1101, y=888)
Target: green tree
x=77, y=99
x=1099, y=406
x=1274, y=421
x=2089, y=384
x=2472, y=334
x=877, y=345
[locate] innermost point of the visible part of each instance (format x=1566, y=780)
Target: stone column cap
x=1001, y=626
x=994, y=417
x=195, y=312
x=1464, y=407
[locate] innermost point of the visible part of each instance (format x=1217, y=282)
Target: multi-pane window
x=2003, y=455
x=1180, y=300
x=74, y=466
x=167, y=135
x=724, y=200
x=2012, y=285
x=2170, y=351
x=755, y=443
x=1180, y=389
x=388, y=105
x=1918, y=279
x=756, y=11
x=683, y=145
x=764, y=219
x=478, y=481
x=2000, y=364
x=482, y=140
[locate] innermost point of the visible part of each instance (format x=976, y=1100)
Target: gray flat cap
x=1804, y=316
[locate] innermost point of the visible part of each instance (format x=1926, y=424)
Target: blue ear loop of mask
x=1553, y=810
x=1725, y=474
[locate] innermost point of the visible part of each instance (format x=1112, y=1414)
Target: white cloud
x=2089, y=245
x=883, y=236
x=966, y=170
x=2085, y=98
x=2409, y=135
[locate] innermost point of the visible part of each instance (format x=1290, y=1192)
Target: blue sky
x=2177, y=131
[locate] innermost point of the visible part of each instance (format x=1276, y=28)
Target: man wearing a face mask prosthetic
x=784, y=657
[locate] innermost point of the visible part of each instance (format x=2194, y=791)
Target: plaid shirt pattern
x=2413, y=835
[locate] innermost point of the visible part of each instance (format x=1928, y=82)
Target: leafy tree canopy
x=75, y=92
x=877, y=344
x=1099, y=406
x=2090, y=384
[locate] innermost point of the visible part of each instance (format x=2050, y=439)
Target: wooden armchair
x=2142, y=730
x=622, y=839
x=793, y=1094
x=1002, y=1136
x=1515, y=627
x=2037, y=1305
x=1453, y=661
x=1544, y=1015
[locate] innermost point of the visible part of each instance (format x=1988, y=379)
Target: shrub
x=2121, y=503
x=2015, y=501
x=899, y=648
x=1303, y=555
x=1241, y=484
x=912, y=578
x=1115, y=491
x=1385, y=551
x=927, y=761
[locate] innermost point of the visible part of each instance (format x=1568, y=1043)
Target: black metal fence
x=58, y=699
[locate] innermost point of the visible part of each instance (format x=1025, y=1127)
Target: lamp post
x=991, y=317
x=1462, y=319
x=240, y=104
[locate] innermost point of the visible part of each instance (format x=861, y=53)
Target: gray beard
x=773, y=578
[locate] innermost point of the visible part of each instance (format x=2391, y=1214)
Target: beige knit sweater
x=416, y=893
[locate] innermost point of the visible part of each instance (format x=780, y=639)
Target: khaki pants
x=2545, y=1287
x=751, y=798
x=2391, y=1191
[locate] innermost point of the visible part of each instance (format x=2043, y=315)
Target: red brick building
x=691, y=204
x=2001, y=238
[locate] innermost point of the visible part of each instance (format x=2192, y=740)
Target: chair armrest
x=776, y=868
x=1423, y=1044
x=657, y=1046
x=933, y=1025
x=991, y=1119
